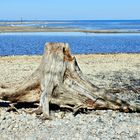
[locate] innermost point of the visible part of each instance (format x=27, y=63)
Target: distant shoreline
x=10, y=29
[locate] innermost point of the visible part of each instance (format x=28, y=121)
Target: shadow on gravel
x=18, y=105
x=34, y=105
x=27, y=105
x=126, y=79
x=4, y=104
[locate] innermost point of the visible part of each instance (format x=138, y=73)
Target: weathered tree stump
x=59, y=80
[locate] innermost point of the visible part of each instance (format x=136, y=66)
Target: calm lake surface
x=131, y=25
x=80, y=43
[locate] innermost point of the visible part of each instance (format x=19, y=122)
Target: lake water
x=131, y=25
x=80, y=43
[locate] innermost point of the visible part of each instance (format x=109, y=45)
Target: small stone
x=34, y=115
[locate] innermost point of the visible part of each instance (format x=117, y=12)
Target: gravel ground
x=109, y=71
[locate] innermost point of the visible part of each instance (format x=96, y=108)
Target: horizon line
x=22, y=19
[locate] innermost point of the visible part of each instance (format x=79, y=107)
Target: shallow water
x=133, y=25
x=80, y=43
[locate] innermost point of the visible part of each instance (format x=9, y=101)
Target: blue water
x=80, y=43
x=98, y=24
x=133, y=25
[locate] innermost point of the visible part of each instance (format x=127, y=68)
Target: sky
x=70, y=9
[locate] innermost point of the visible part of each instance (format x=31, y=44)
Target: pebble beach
x=105, y=71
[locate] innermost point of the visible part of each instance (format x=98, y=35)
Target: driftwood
x=59, y=80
